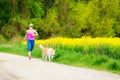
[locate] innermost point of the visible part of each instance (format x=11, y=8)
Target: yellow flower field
x=84, y=41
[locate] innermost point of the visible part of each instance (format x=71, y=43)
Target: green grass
x=90, y=58
x=20, y=49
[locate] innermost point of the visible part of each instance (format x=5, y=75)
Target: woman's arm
x=35, y=33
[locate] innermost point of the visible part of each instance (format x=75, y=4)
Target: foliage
x=66, y=18
x=114, y=65
x=16, y=15
x=2, y=39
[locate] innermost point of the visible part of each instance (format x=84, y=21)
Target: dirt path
x=13, y=67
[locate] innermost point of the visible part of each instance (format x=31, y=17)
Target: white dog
x=47, y=52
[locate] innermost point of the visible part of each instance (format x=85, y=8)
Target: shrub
x=2, y=39
x=114, y=65
x=99, y=60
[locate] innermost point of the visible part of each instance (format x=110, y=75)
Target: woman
x=30, y=35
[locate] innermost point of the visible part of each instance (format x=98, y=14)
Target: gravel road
x=14, y=67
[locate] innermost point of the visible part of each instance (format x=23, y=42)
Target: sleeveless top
x=30, y=34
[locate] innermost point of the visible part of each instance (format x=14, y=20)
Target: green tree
x=68, y=18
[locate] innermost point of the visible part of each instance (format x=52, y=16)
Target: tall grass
x=98, y=53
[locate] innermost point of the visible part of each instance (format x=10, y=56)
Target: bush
x=2, y=39
x=114, y=65
x=99, y=60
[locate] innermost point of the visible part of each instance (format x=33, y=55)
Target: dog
x=47, y=53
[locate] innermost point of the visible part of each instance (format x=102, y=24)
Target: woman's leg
x=32, y=44
x=29, y=49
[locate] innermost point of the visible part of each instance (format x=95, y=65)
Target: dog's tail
x=41, y=46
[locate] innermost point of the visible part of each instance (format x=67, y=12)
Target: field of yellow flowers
x=84, y=41
x=86, y=45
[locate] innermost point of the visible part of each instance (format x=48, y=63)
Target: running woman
x=30, y=35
